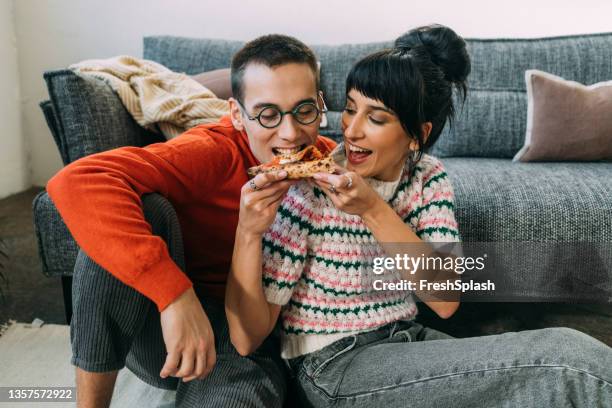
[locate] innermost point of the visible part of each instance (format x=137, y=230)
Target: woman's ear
x=426, y=129
x=236, y=114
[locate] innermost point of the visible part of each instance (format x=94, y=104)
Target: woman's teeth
x=358, y=149
x=357, y=155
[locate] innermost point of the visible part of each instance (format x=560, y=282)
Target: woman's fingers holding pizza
x=348, y=191
x=343, y=181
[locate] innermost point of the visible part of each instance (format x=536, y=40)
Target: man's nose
x=288, y=129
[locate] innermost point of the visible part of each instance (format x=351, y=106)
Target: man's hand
x=189, y=339
x=259, y=201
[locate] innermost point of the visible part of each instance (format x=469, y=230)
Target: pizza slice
x=298, y=165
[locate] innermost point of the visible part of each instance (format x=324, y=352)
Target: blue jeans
x=405, y=364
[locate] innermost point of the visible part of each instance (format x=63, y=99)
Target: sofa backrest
x=492, y=121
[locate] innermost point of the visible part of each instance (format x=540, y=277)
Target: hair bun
x=445, y=48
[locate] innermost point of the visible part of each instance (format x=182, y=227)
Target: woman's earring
x=414, y=157
x=323, y=124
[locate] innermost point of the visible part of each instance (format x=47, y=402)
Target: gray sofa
x=557, y=204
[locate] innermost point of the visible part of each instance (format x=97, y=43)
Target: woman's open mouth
x=357, y=155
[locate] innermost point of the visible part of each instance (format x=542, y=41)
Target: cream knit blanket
x=157, y=98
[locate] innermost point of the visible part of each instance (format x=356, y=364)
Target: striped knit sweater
x=317, y=260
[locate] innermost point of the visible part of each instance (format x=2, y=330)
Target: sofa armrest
x=51, y=119
x=86, y=116
x=56, y=247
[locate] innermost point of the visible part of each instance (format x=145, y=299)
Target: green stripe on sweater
x=439, y=204
x=282, y=251
x=442, y=230
x=326, y=289
x=295, y=220
x=434, y=178
x=280, y=284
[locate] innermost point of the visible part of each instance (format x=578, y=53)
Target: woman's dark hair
x=415, y=79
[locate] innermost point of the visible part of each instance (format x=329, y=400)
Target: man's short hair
x=270, y=50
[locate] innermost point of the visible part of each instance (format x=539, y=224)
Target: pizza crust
x=302, y=164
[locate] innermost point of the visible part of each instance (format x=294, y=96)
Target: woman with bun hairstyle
x=350, y=345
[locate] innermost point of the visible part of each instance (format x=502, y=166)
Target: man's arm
x=98, y=197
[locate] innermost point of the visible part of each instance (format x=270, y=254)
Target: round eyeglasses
x=271, y=116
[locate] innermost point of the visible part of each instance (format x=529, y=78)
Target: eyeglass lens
x=305, y=114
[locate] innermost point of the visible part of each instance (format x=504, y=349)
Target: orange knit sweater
x=200, y=172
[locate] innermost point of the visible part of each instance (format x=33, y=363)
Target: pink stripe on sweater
x=335, y=284
x=436, y=222
x=279, y=275
x=437, y=196
x=286, y=241
x=308, y=214
x=319, y=300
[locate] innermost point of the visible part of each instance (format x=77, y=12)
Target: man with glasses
x=135, y=304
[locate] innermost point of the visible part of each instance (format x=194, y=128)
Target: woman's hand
x=259, y=201
x=348, y=191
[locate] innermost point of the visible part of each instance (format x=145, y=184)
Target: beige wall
x=55, y=33
x=14, y=175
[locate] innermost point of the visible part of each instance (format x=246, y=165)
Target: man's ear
x=236, y=114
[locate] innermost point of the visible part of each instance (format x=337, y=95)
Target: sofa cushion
x=498, y=200
x=566, y=120
x=491, y=123
x=547, y=225
x=218, y=81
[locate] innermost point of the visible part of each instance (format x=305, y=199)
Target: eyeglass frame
x=291, y=112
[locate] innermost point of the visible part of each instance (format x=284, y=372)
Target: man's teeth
x=358, y=149
x=286, y=151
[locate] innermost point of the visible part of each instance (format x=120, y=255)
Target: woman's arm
x=251, y=318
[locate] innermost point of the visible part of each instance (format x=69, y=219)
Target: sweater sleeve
x=436, y=221
x=98, y=198
x=285, y=247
